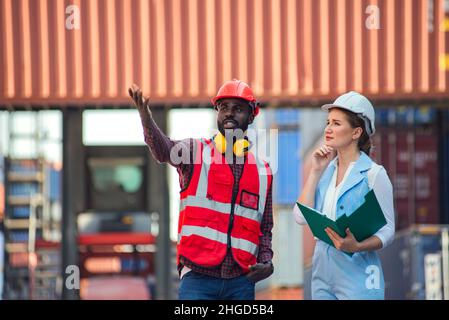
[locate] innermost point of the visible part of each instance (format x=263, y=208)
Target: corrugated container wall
x=406, y=143
x=444, y=165
x=78, y=52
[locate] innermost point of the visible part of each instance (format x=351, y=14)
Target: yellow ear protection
x=240, y=148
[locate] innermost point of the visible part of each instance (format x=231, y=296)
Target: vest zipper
x=231, y=217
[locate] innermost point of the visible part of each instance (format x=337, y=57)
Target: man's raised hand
x=141, y=103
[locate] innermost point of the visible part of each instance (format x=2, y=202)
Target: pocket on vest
x=250, y=234
x=201, y=228
x=220, y=186
x=249, y=200
x=201, y=218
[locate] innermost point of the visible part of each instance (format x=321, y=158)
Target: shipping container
x=20, y=212
x=286, y=187
x=401, y=148
x=54, y=177
x=285, y=117
x=425, y=115
x=427, y=177
x=382, y=116
x=22, y=235
x=287, y=181
x=288, y=176
x=403, y=262
x=26, y=166
x=19, y=259
x=182, y=51
x=24, y=189
x=404, y=116
x=406, y=143
x=444, y=166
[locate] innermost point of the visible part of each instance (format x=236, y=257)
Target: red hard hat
x=237, y=89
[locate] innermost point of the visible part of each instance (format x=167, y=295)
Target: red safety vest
x=210, y=219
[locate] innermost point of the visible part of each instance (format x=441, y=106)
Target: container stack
x=407, y=144
x=32, y=259
x=286, y=187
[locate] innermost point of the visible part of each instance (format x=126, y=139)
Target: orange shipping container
x=81, y=52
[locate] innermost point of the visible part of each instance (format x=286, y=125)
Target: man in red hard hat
x=240, y=90
x=225, y=219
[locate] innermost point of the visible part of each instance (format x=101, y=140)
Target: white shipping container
x=287, y=248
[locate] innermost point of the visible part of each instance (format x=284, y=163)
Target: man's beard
x=220, y=126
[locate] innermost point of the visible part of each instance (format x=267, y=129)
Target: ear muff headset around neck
x=240, y=148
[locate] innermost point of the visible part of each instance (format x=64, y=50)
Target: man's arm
x=160, y=145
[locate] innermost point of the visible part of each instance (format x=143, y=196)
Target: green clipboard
x=365, y=221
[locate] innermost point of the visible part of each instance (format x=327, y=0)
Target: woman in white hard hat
x=342, y=173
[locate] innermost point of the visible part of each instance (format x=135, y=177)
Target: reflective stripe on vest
x=214, y=235
x=224, y=208
x=263, y=183
x=205, y=167
x=201, y=190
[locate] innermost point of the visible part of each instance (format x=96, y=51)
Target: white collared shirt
x=333, y=191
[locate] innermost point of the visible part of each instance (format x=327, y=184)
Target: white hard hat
x=357, y=103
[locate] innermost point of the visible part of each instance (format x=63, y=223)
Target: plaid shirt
x=160, y=146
